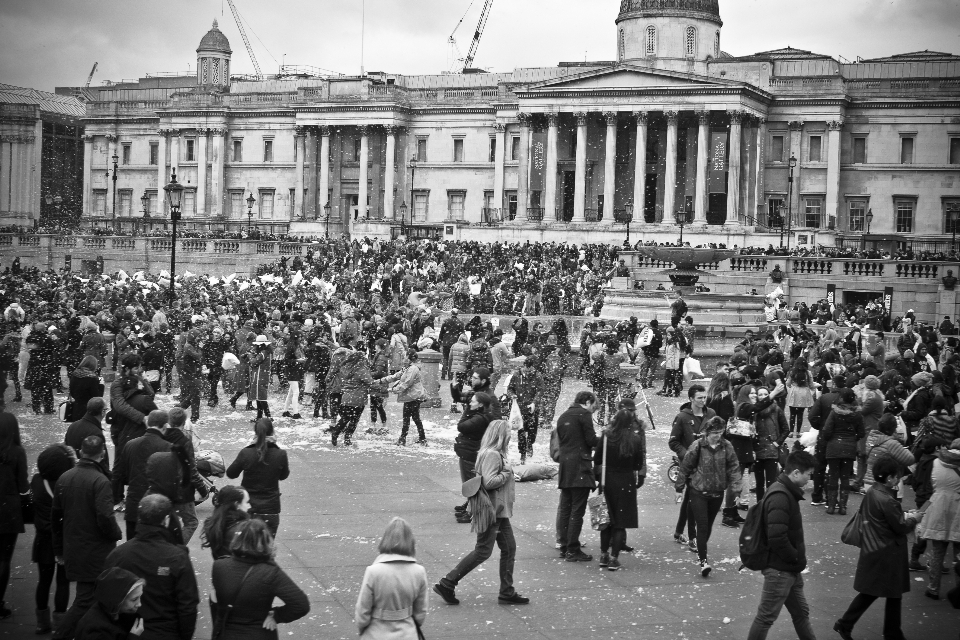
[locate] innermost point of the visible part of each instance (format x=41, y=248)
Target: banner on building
x=538, y=160
x=888, y=301
x=832, y=294
x=718, y=162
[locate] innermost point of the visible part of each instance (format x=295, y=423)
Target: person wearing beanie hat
x=941, y=523
x=872, y=407
x=841, y=432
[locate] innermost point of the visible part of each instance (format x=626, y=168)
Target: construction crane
x=471, y=54
x=90, y=77
x=243, y=34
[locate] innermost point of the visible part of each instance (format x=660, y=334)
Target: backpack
x=754, y=552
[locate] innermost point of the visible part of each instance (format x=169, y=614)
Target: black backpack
x=754, y=551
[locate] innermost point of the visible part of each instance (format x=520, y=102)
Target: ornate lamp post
x=629, y=217
x=326, y=213
x=250, y=202
x=413, y=177
x=403, y=218
x=793, y=164
x=174, y=192
x=116, y=163
x=145, y=204
x=681, y=221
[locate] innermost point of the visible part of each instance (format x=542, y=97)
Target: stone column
x=796, y=131
x=833, y=171
x=640, y=169
x=324, y=188
x=216, y=181
x=498, y=160
x=580, y=176
x=523, y=171
x=550, y=176
x=364, y=170
x=759, y=193
x=610, y=168
x=162, y=177
x=703, y=164
x=733, y=172
x=6, y=153
x=300, y=139
x=202, y=172
x=174, y=153
x=111, y=151
x=87, y=177
x=670, y=179
x=389, y=171
x=310, y=180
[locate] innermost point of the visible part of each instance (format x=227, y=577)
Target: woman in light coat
x=260, y=359
x=392, y=603
x=941, y=523
x=409, y=385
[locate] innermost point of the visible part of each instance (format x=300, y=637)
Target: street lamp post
x=413, y=177
x=629, y=216
x=681, y=217
x=250, y=202
x=793, y=164
x=403, y=218
x=174, y=192
x=326, y=213
x=869, y=219
x=116, y=162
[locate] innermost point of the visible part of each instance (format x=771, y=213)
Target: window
x=236, y=204
x=124, y=201
x=152, y=206
x=812, y=210
x=955, y=150
x=775, y=211
x=237, y=150
x=100, y=202
x=816, y=148
x=716, y=45
x=421, y=149
x=858, y=213
x=455, y=204
x=154, y=153
x=651, y=43
x=458, y=149
x=125, y=153
x=512, y=204
x=266, y=204
x=191, y=151
x=691, y=42
x=493, y=149
x=421, y=203
x=906, y=150
x=951, y=208
x=268, y=150
x=293, y=203
x=859, y=150
x=776, y=148
x=189, y=202
x=515, y=148
x=904, y=210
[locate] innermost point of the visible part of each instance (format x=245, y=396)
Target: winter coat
x=93, y=344
x=879, y=445
x=356, y=380
x=883, y=573
x=43, y=366
x=942, y=519
x=788, y=552
x=170, y=595
x=82, y=390
x=497, y=477
x=254, y=601
x=409, y=384
x=527, y=387
x=260, y=371
x=13, y=482
x=458, y=355
x=686, y=429
x=131, y=469
x=101, y=621
x=479, y=356
x=872, y=410
x=392, y=596
x=450, y=331
x=470, y=429
x=772, y=431
x=379, y=370
x=335, y=374
x=190, y=479
x=620, y=489
x=917, y=409
x=261, y=479
x=821, y=409
x=710, y=470
x=83, y=508
x=121, y=392
x=79, y=430
x=501, y=355
x=577, y=440
x=941, y=426
x=842, y=430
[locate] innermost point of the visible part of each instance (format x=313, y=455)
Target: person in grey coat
x=575, y=480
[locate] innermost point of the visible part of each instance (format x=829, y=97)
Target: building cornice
x=686, y=90
x=154, y=120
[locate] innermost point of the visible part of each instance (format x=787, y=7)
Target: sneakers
x=578, y=556
x=285, y=414
x=817, y=502
x=516, y=598
x=916, y=566
x=730, y=522
x=297, y=416
x=604, y=559
x=692, y=546
x=842, y=630
x=614, y=564
x=679, y=538
x=448, y=594
x=705, y=568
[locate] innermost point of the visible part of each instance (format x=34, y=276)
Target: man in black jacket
x=191, y=373
x=170, y=596
x=782, y=579
x=818, y=417
x=183, y=504
x=686, y=429
x=83, y=507
x=91, y=424
x=131, y=467
x=575, y=480
x=450, y=332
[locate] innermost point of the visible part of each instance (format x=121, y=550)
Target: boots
x=43, y=622
x=831, y=500
x=58, y=618
x=731, y=518
x=842, y=501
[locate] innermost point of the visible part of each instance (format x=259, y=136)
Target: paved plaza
x=338, y=501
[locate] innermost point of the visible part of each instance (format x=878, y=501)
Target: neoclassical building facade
x=740, y=149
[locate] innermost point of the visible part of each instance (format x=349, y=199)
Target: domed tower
x=674, y=34
x=213, y=60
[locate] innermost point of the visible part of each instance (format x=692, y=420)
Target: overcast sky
x=48, y=43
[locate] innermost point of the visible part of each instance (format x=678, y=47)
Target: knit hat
x=871, y=382
x=891, y=357
x=922, y=379
x=908, y=355
x=887, y=424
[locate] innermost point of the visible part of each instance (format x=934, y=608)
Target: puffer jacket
x=335, y=373
x=357, y=381
x=479, y=355
x=788, y=551
x=458, y=355
x=879, y=445
x=409, y=383
x=772, y=431
x=471, y=428
x=842, y=430
x=942, y=426
x=711, y=471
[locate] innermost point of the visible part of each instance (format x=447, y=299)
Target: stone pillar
x=733, y=172
x=310, y=180
x=833, y=172
x=111, y=151
x=162, y=177
x=174, y=153
x=430, y=367
x=389, y=173
x=550, y=176
x=6, y=152
x=796, y=131
x=216, y=179
x=364, y=171
x=580, y=176
x=87, y=177
x=523, y=171
x=670, y=179
x=202, y=173
x=701, y=198
x=610, y=168
x=760, y=195
x=324, y=188
x=300, y=139
x=499, y=156
x=640, y=169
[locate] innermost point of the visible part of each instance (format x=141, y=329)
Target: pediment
x=626, y=77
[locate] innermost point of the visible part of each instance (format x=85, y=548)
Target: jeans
x=686, y=519
x=613, y=538
x=41, y=395
x=704, y=510
x=500, y=532
x=796, y=418
x=292, y=401
x=839, y=474
x=648, y=369
x=411, y=411
x=937, y=555
x=766, y=472
x=573, y=504
x=891, y=615
x=188, y=518
x=86, y=597
x=61, y=597
x=376, y=408
x=263, y=409
x=190, y=397
x=528, y=433
x=819, y=474
x=349, y=418
x=272, y=521
x=781, y=588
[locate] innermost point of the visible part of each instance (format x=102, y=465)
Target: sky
x=49, y=43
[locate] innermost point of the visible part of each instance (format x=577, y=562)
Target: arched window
x=623, y=45
x=716, y=45
x=651, y=40
x=691, y=41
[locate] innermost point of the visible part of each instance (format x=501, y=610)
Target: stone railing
x=6, y=241
x=197, y=246
x=748, y=264
x=161, y=244
x=266, y=247
x=123, y=244
x=290, y=248
x=28, y=241
x=804, y=265
x=226, y=246
x=94, y=242
x=65, y=241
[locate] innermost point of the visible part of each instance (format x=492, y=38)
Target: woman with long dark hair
x=13, y=483
x=470, y=429
x=84, y=385
x=263, y=465
x=720, y=396
x=231, y=504
x=799, y=393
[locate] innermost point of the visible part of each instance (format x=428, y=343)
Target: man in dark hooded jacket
x=113, y=617
x=191, y=373
x=131, y=466
x=128, y=385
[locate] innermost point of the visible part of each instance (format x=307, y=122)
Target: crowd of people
x=345, y=325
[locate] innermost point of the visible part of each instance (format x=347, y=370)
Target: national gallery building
x=676, y=131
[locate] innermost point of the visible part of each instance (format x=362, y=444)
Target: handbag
x=65, y=410
x=851, y=533
x=221, y=612
x=599, y=511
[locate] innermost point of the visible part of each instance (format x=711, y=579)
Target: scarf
x=83, y=373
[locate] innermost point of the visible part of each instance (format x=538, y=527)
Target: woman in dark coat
x=43, y=369
x=84, y=385
x=13, y=483
x=841, y=431
x=263, y=465
x=249, y=580
x=473, y=424
x=882, y=570
x=626, y=465
x=51, y=464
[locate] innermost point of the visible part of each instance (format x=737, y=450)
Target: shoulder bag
x=851, y=533
x=221, y=611
x=599, y=512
